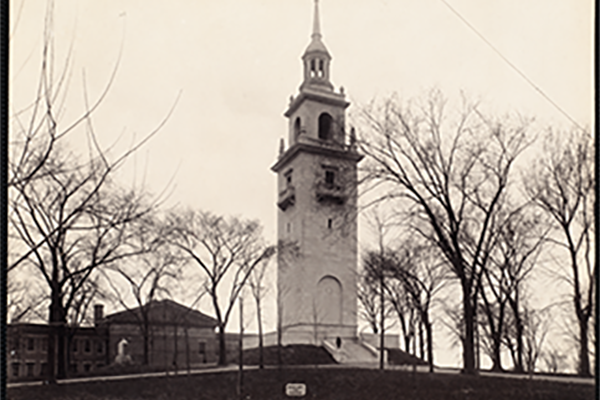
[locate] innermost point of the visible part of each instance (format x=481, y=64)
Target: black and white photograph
x=299, y=199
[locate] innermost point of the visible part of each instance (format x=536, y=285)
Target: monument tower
x=316, y=173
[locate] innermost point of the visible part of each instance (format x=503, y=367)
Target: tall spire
x=316, y=58
x=316, y=24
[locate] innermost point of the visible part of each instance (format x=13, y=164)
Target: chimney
x=98, y=314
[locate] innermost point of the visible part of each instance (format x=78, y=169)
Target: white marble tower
x=317, y=181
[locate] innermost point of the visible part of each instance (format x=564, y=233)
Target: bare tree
x=67, y=216
x=377, y=265
x=368, y=298
x=453, y=174
x=554, y=360
x=563, y=186
x=259, y=289
x=401, y=302
x=421, y=275
x=146, y=275
x=226, y=250
x=71, y=223
x=520, y=239
x=536, y=324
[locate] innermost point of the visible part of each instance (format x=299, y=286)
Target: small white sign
x=295, y=390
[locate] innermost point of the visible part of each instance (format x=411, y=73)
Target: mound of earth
x=296, y=354
x=399, y=357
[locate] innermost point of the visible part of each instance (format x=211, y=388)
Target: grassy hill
x=321, y=383
x=301, y=354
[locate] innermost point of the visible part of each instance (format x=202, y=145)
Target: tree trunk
x=382, y=321
x=222, y=347
x=279, y=332
x=469, y=320
x=146, y=334
x=584, y=359
x=56, y=345
x=61, y=368
x=519, y=325
x=175, y=349
x=429, y=332
x=187, y=349
x=496, y=358
x=260, y=335
x=421, y=342
x=51, y=357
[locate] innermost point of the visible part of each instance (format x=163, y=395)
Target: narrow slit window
x=329, y=178
x=297, y=126
x=329, y=223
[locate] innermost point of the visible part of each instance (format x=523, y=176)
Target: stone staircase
x=353, y=351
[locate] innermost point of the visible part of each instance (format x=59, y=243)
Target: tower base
x=315, y=335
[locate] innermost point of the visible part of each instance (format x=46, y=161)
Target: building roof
x=163, y=312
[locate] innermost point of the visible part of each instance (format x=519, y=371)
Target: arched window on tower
x=321, y=69
x=297, y=127
x=325, y=126
x=313, y=68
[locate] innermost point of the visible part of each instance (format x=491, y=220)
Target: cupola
x=316, y=59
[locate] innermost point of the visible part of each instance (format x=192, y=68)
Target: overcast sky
x=234, y=64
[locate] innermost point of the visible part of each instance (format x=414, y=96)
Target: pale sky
x=235, y=64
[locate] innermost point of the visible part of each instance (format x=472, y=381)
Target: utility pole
x=241, y=352
x=382, y=317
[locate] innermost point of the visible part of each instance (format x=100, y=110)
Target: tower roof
x=316, y=44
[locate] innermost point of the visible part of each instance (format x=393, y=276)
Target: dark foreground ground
x=322, y=383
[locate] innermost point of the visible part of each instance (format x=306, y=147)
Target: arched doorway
x=329, y=301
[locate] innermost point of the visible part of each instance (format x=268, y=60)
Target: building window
x=44, y=369
x=329, y=178
x=15, y=345
x=297, y=127
x=15, y=369
x=99, y=347
x=88, y=346
x=30, y=367
x=74, y=346
x=44, y=345
x=329, y=223
x=325, y=125
x=73, y=368
x=87, y=367
x=288, y=177
x=30, y=344
x=202, y=351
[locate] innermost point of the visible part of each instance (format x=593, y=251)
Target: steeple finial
x=316, y=58
x=316, y=25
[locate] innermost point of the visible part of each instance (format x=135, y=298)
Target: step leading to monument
x=352, y=351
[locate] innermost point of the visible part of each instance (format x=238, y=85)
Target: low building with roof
x=176, y=336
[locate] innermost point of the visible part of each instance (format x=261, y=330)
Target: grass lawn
x=322, y=383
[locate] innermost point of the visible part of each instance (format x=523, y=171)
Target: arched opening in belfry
x=313, y=68
x=325, y=126
x=329, y=301
x=297, y=126
x=321, y=69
